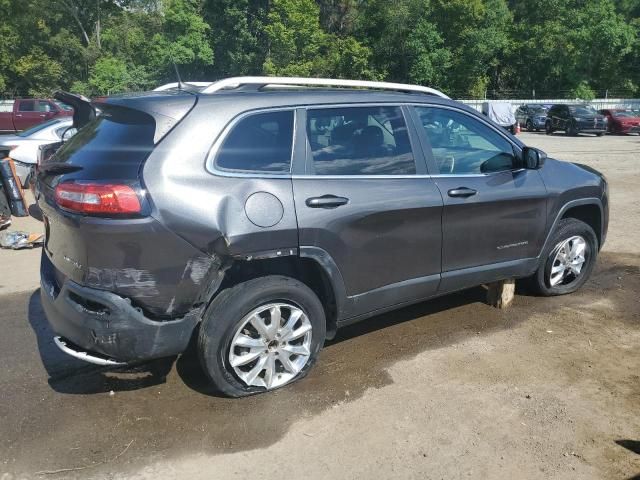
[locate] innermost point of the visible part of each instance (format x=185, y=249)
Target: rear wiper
x=59, y=168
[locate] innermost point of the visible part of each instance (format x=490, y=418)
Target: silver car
x=24, y=145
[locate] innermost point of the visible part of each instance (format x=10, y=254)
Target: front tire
x=568, y=261
x=260, y=335
x=529, y=126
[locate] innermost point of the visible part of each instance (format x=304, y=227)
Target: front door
x=365, y=199
x=494, y=211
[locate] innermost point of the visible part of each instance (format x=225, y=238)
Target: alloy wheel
x=271, y=346
x=570, y=257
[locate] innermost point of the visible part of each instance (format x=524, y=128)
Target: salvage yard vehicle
x=24, y=146
x=575, y=119
x=532, y=116
x=23, y=113
x=622, y=121
x=259, y=215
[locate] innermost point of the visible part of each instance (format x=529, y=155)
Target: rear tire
x=238, y=323
x=547, y=128
x=556, y=274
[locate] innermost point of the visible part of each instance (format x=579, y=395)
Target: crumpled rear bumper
x=107, y=324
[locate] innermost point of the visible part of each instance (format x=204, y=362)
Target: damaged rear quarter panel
x=208, y=210
x=143, y=261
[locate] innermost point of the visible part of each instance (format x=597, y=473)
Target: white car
x=25, y=145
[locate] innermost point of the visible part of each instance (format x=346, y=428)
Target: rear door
x=27, y=114
x=494, y=211
x=364, y=198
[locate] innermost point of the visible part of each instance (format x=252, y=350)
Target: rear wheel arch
x=304, y=269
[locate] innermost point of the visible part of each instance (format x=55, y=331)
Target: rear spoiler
x=83, y=111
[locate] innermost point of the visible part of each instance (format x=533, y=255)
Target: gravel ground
x=448, y=389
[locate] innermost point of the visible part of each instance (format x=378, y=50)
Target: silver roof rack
x=172, y=85
x=236, y=82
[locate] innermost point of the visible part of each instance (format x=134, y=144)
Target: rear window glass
x=114, y=137
x=27, y=106
x=261, y=142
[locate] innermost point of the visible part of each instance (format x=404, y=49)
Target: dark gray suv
x=257, y=219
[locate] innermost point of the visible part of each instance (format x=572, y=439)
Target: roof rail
x=172, y=85
x=235, y=82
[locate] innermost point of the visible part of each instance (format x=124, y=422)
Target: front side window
x=260, y=142
x=44, y=106
x=359, y=141
x=462, y=144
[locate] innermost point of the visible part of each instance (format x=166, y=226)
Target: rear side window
x=260, y=142
x=27, y=106
x=359, y=141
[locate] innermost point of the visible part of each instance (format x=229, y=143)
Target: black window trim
x=426, y=144
x=211, y=161
x=414, y=142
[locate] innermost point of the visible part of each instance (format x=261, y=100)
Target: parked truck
x=22, y=113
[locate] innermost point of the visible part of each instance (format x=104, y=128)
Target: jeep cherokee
x=258, y=219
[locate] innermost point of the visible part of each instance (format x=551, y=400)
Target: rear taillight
x=98, y=198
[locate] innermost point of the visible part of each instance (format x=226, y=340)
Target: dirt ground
x=448, y=389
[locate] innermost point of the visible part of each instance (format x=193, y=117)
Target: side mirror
x=533, y=158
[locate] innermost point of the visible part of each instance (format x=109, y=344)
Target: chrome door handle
x=463, y=192
x=326, y=201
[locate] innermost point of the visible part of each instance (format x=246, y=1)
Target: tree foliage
x=559, y=48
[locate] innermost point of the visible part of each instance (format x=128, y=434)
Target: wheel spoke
x=291, y=322
x=274, y=326
x=258, y=323
x=250, y=376
x=249, y=342
x=296, y=349
x=300, y=331
x=239, y=360
x=286, y=362
x=270, y=370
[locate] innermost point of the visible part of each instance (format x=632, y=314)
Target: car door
x=27, y=114
x=494, y=216
x=364, y=200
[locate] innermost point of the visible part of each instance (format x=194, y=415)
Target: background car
x=575, y=119
x=23, y=113
x=532, y=116
x=24, y=145
x=622, y=120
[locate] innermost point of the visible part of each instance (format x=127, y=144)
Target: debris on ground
x=17, y=240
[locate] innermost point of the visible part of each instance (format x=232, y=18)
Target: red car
x=621, y=120
x=23, y=113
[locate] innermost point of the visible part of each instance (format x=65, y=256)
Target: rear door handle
x=463, y=192
x=326, y=201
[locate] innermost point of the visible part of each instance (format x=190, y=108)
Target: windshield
x=63, y=106
x=37, y=128
x=538, y=109
x=582, y=111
